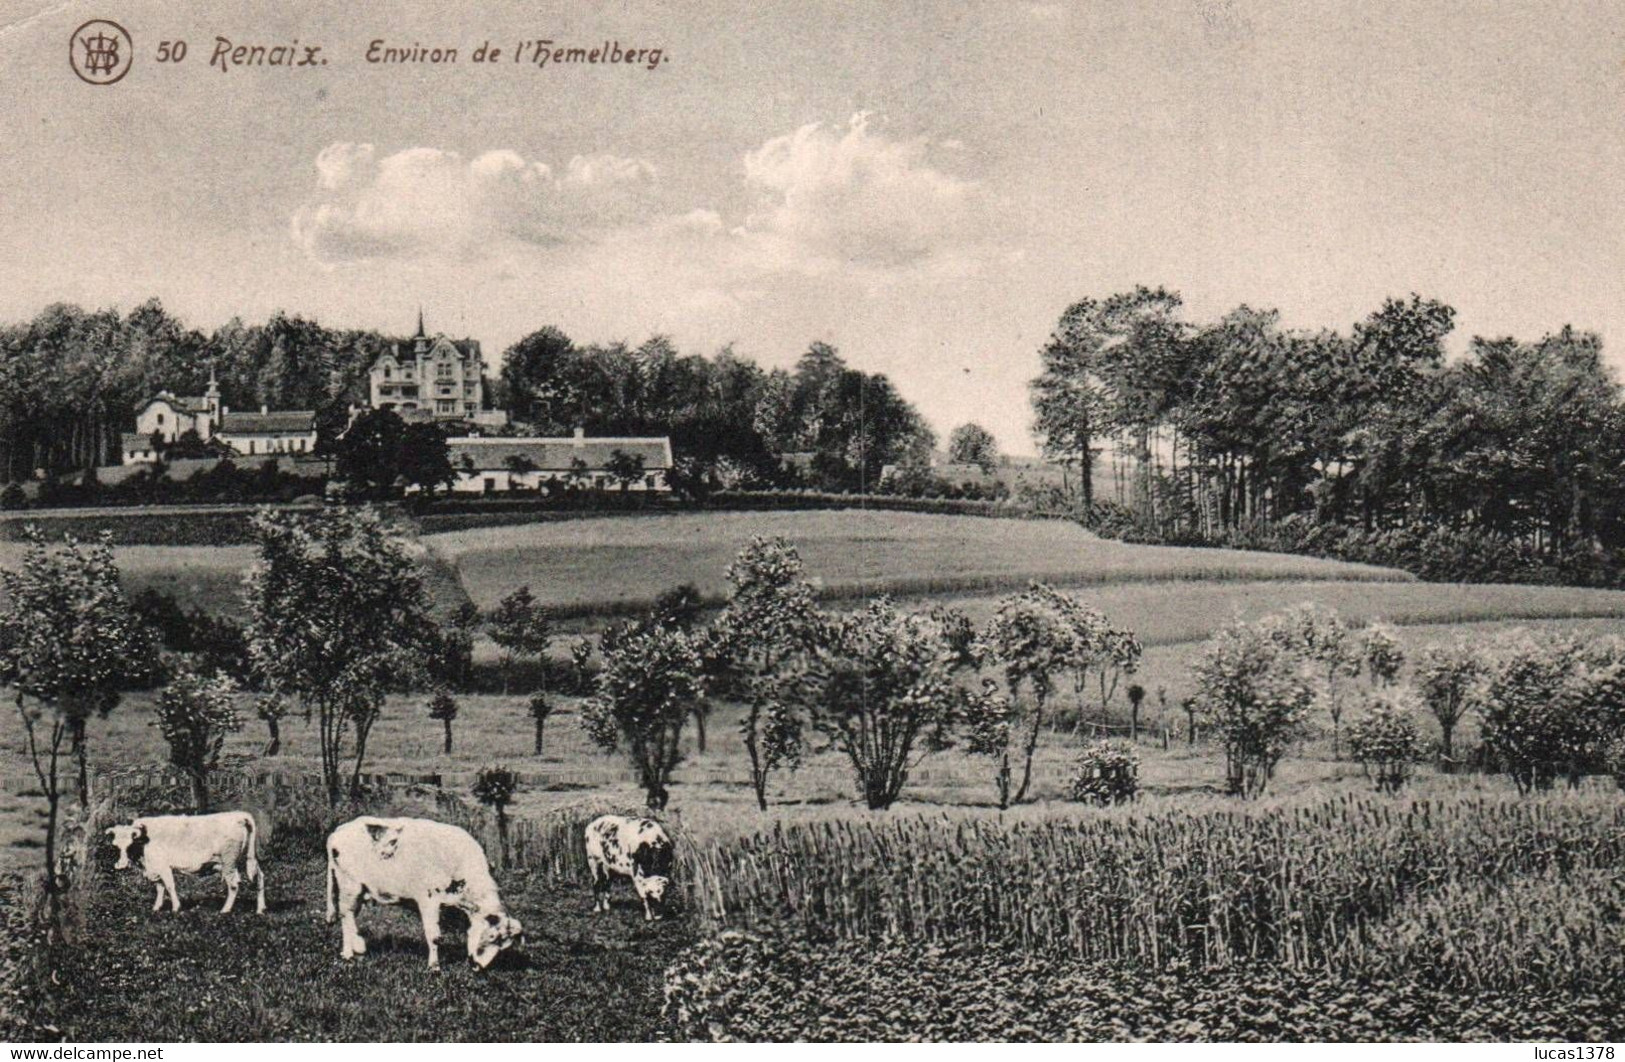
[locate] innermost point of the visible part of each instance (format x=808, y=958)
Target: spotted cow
x=639, y=849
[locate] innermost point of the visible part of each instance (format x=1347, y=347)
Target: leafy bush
x=1385, y=742
x=12, y=497
x=1531, y=709
x=1249, y=690
x=1107, y=772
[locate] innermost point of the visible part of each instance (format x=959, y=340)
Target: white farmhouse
x=491, y=465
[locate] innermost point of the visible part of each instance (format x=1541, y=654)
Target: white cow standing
x=433, y=864
x=618, y=846
x=227, y=841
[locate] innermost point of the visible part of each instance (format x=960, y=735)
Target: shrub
x=12, y=497
x=1107, y=772
x=1385, y=742
x=1249, y=689
x=1531, y=706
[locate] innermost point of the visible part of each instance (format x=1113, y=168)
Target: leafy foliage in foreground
x=739, y=987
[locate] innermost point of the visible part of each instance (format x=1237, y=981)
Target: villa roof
x=277, y=421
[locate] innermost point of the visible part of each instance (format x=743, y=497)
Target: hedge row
x=178, y=526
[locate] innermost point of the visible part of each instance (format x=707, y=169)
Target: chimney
x=264, y=409
x=580, y=436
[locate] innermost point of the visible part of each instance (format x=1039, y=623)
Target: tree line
x=1222, y=424
x=71, y=379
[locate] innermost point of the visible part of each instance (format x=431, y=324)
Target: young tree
x=338, y=617
x=195, y=713
x=759, y=645
x=521, y=628
x=681, y=607
x=1445, y=677
x=626, y=469
x=540, y=708
x=1380, y=651
x=1034, y=637
x=443, y=709
x=454, y=664
x=271, y=710
x=1252, y=693
x=1136, y=696
x=581, y=663
x=1329, y=650
x=988, y=719
x=881, y=683
x=972, y=444
x=495, y=788
x=68, y=645
x=646, y=692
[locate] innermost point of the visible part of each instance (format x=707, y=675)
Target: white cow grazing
x=431, y=863
x=632, y=848
x=167, y=843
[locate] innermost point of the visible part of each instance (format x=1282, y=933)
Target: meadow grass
x=611, y=566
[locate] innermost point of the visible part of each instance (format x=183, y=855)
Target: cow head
x=652, y=887
x=126, y=838
x=489, y=934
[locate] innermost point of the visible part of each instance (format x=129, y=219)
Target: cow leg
x=257, y=872
x=430, y=912
x=350, y=902
x=600, y=887
x=233, y=879
x=158, y=900
x=166, y=877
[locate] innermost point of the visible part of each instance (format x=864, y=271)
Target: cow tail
x=332, y=879
x=253, y=848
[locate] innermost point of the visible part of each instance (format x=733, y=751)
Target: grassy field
x=202, y=975
x=591, y=566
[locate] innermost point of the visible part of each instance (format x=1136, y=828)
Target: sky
x=925, y=185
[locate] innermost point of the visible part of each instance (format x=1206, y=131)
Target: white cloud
x=827, y=198
x=424, y=200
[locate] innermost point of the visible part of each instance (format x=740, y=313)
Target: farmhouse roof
x=557, y=454
x=278, y=421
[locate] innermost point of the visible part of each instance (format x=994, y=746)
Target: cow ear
x=111, y=831
x=140, y=831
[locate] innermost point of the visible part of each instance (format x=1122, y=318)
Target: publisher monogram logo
x=100, y=52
